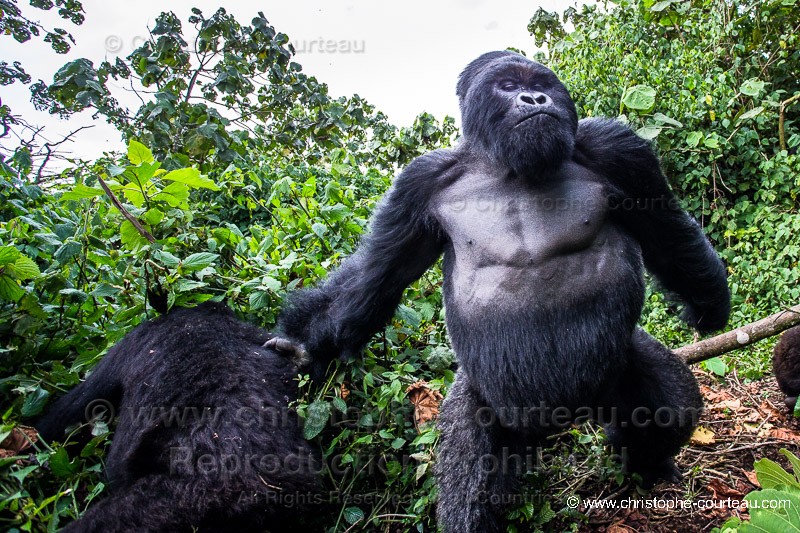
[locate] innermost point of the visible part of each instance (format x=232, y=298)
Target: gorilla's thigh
x=654, y=406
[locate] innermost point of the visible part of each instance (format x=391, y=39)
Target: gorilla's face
x=519, y=111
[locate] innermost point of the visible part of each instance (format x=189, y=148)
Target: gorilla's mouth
x=533, y=115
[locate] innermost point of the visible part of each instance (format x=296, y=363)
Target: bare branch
x=740, y=337
x=132, y=219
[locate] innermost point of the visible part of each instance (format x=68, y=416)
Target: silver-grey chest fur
x=510, y=237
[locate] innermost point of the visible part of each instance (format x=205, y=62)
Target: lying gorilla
x=205, y=439
x=545, y=223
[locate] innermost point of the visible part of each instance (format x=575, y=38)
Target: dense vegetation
x=243, y=179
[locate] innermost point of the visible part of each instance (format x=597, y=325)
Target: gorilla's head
x=518, y=111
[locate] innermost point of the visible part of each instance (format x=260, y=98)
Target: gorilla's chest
x=501, y=221
x=509, y=238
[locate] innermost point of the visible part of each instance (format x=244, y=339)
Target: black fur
x=545, y=224
x=786, y=364
x=205, y=438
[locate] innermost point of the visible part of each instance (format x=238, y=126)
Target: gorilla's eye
x=508, y=85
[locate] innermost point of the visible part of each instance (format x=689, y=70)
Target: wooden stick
x=740, y=337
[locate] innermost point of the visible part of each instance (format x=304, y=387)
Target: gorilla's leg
x=655, y=406
x=474, y=480
x=148, y=505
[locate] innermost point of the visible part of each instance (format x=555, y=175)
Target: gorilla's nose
x=534, y=98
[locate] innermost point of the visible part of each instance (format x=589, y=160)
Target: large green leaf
x=640, y=98
x=190, y=177
x=139, y=153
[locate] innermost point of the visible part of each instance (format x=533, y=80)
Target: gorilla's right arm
x=338, y=317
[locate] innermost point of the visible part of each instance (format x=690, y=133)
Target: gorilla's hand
x=289, y=348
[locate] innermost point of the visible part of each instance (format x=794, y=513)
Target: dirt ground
x=742, y=422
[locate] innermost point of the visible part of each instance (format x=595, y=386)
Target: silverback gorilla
x=205, y=439
x=545, y=223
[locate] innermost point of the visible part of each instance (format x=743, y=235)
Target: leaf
x=694, y=138
x=104, y=290
x=772, y=510
x=198, y=261
x=153, y=216
x=74, y=295
x=716, y=365
x=640, y=98
x=750, y=114
x=409, y=316
x=317, y=416
x=795, y=461
x=353, y=515
x=319, y=229
x=60, y=464
x=190, y=177
x=81, y=191
x=259, y=300
x=67, y=251
x=139, y=153
x=771, y=475
x=752, y=87
x=8, y=254
x=702, y=437
x=131, y=237
x=339, y=404
x=35, y=402
x=664, y=119
x=271, y=283
x=661, y=6
x=174, y=194
x=10, y=289
x=25, y=268
x=649, y=132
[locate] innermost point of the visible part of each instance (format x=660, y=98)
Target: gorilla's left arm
x=338, y=317
x=674, y=246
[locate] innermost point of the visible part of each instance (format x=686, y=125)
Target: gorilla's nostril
x=540, y=99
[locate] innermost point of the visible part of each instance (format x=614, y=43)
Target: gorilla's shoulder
x=432, y=168
x=601, y=142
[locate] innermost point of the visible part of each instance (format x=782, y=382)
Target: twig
x=132, y=219
x=781, y=117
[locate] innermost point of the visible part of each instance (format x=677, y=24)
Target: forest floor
x=745, y=422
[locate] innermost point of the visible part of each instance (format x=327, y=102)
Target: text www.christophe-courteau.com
x=667, y=504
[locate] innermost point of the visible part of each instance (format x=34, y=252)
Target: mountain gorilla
x=544, y=223
x=205, y=439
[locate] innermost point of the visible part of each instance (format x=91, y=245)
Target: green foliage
x=776, y=507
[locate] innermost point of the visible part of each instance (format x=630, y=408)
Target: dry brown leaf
x=721, y=491
x=702, y=437
x=751, y=477
x=732, y=404
x=619, y=527
x=20, y=438
x=425, y=400
x=768, y=409
x=785, y=434
x=344, y=391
